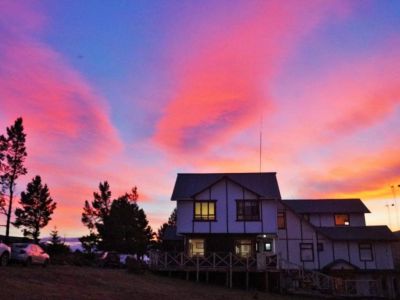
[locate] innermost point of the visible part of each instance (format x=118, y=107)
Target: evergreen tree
x=126, y=229
x=13, y=154
x=36, y=209
x=56, y=245
x=94, y=213
x=89, y=242
x=171, y=223
x=93, y=216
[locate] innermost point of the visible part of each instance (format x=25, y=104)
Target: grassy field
x=67, y=282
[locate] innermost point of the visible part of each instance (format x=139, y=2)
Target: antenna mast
x=261, y=128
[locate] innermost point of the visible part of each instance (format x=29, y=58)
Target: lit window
x=306, y=252
x=204, y=211
x=342, y=220
x=196, y=247
x=247, y=210
x=243, y=248
x=365, y=250
x=268, y=246
x=281, y=219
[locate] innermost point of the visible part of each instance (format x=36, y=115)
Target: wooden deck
x=293, y=278
x=210, y=262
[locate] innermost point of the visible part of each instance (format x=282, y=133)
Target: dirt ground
x=67, y=282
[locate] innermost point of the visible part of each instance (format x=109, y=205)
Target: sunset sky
x=135, y=91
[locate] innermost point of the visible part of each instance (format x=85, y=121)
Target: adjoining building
x=238, y=222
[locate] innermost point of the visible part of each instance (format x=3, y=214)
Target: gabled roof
x=327, y=206
x=358, y=233
x=187, y=185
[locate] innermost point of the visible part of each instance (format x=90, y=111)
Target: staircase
x=297, y=280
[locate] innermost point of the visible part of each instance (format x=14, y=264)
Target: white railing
x=210, y=261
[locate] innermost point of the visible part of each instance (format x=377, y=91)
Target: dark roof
x=170, y=234
x=263, y=184
x=360, y=233
x=327, y=206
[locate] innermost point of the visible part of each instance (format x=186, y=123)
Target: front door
x=266, y=255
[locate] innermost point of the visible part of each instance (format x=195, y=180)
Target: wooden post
x=207, y=276
x=187, y=275
x=247, y=273
x=266, y=281
x=181, y=260
x=214, y=260
x=230, y=269
x=247, y=280
x=197, y=268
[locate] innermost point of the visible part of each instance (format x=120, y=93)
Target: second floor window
x=365, y=250
x=342, y=220
x=204, y=211
x=306, y=252
x=281, y=219
x=247, y=210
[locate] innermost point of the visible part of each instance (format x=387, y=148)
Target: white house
x=243, y=214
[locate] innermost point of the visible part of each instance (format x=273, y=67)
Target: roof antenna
x=261, y=128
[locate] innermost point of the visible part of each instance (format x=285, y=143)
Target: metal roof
x=327, y=206
x=358, y=233
x=189, y=184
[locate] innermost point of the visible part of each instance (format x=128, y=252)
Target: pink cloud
x=220, y=87
x=69, y=132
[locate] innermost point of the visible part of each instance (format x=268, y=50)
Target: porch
x=214, y=261
x=288, y=277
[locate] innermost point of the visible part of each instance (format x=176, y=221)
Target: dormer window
x=342, y=220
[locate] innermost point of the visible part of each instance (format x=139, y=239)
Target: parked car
x=5, y=252
x=29, y=254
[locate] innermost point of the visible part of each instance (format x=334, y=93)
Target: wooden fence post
x=197, y=268
x=230, y=269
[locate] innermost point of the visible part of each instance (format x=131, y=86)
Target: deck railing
x=211, y=261
x=294, y=277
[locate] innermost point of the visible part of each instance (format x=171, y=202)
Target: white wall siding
x=184, y=216
x=357, y=220
x=269, y=215
x=226, y=193
x=328, y=220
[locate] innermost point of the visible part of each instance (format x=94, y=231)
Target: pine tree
x=36, y=209
x=94, y=213
x=161, y=231
x=56, y=246
x=89, y=242
x=93, y=216
x=126, y=229
x=14, y=153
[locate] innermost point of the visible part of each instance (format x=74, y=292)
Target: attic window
x=204, y=210
x=342, y=220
